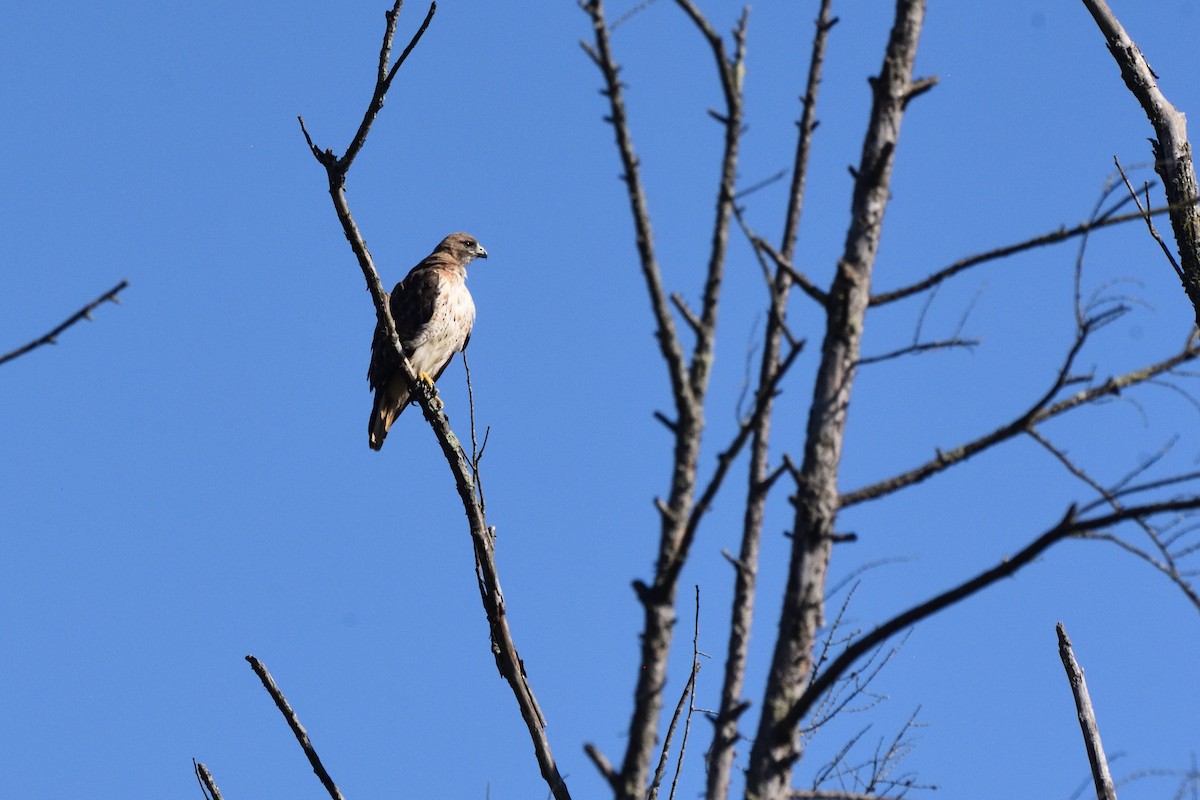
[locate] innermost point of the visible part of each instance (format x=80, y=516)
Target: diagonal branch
x=207, y=785
x=293, y=722
x=1042, y=410
x=1069, y=526
x=1172, y=152
x=1053, y=237
x=784, y=265
x=83, y=313
x=727, y=456
x=508, y=661
x=1149, y=222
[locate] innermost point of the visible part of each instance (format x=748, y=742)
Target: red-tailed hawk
x=434, y=313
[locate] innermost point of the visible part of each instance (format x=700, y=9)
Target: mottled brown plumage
x=434, y=313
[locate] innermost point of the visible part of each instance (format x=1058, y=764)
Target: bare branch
x=1087, y=718
x=688, y=315
x=1172, y=152
x=383, y=81
x=796, y=276
x=294, y=723
x=823, y=794
x=1062, y=234
x=83, y=313
x=1039, y=412
x=1167, y=567
x=726, y=458
x=668, y=339
x=923, y=347
x=1069, y=526
x=689, y=691
x=689, y=376
x=602, y=763
x=207, y=785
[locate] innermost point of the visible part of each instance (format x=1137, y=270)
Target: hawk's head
x=463, y=247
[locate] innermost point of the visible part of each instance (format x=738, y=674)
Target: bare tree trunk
x=776, y=745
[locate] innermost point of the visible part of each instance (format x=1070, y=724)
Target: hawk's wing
x=413, y=303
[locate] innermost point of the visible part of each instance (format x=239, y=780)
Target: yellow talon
x=423, y=377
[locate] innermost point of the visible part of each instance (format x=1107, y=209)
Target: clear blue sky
x=187, y=480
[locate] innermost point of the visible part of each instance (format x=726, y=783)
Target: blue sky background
x=186, y=479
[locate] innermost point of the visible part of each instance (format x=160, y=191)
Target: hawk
x=434, y=313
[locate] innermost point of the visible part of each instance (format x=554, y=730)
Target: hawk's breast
x=447, y=330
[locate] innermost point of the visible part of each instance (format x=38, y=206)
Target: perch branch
x=508, y=661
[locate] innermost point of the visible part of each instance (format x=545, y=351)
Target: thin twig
x=688, y=689
x=83, y=313
x=607, y=771
x=476, y=447
x=687, y=723
x=923, y=347
x=1149, y=222
x=383, y=81
x=297, y=729
x=1087, y=718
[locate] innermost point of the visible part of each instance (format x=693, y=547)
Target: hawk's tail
x=386, y=408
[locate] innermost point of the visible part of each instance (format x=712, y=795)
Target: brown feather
x=434, y=314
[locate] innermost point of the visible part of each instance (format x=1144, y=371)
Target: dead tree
x=798, y=679
x=807, y=665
